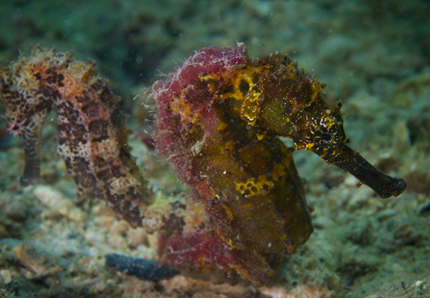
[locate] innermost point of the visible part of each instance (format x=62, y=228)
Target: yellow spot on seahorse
x=249, y=103
x=278, y=171
x=252, y=187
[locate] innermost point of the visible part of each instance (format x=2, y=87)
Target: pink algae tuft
x=209, y=60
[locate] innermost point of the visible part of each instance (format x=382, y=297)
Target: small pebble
x=58, y=203
x=6, y=276
x=383, y=215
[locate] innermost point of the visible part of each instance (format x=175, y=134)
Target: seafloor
x=374, y=57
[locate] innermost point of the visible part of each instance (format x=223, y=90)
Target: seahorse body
x=91, y=135
x=219, y=118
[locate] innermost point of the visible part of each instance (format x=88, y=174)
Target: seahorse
x=92, y=139
x=219, y=119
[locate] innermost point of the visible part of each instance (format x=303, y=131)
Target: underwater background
x=374, y=57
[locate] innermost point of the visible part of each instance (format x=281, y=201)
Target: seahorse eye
x=326, y=137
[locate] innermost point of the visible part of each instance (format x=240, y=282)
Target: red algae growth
x=219, y=119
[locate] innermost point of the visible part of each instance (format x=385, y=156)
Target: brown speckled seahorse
x=91, y=136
